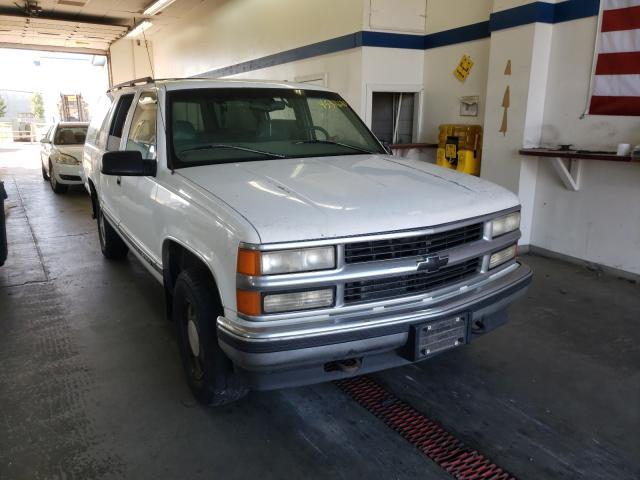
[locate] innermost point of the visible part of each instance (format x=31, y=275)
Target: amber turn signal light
x=248, y=262
x=249, y=303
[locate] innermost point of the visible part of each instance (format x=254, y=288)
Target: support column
x=527, y=48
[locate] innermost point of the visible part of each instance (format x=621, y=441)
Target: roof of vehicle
x=188, y=83
x=73, y=124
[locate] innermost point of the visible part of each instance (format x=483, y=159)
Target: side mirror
x=127, y=163
x=387, y=147
x=44, y=140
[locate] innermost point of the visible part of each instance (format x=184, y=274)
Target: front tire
x=112, y=246
x=55, y=186
x=209, y=371
x=45, y=177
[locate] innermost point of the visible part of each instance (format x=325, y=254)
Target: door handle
x=118, y=180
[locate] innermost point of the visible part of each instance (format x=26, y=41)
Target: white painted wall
x=448, y=14
x=600, y=223
x=130, y=59
x=443, y=90
x=220, y=33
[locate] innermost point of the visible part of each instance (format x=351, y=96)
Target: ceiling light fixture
x=146, y=25
x=157, y=6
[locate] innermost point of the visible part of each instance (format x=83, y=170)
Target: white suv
x=292, y=247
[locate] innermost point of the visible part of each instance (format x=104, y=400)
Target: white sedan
x=61, y=155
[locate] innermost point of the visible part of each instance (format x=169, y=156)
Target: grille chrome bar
x=387, y=288
x=389, y=249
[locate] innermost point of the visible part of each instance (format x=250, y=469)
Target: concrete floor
x=91, y=385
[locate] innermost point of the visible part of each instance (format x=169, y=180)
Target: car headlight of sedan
x=505, y=224
x=65, y=159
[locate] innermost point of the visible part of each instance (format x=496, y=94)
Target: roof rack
x=131, y=83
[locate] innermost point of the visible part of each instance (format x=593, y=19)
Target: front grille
x=377, y=250
x=73, y=178
x=407, y=285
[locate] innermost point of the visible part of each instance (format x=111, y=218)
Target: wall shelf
x=571, y=172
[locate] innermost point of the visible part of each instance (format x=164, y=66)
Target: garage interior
x=91, y=384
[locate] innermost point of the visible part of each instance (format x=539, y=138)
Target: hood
x=73, y=150
x=326, y=197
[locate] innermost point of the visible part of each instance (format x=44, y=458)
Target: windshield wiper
x=331, y=142
x=232, y=147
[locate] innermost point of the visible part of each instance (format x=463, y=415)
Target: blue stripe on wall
x=530, y=13
x=467, y=33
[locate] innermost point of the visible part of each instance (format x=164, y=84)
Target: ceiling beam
x=50, y=48
x=68, y=17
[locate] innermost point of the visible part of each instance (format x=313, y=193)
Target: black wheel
x=45, y=177
x=55, y=186
x=209, y=371
x=112, y=246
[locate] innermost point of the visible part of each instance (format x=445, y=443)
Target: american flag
x=616, y=79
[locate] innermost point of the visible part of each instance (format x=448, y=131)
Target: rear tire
x=112, y=246
x=55, y=186
x=209, y=371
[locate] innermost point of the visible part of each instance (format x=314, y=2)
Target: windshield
x=210, y=126
x=70, y=135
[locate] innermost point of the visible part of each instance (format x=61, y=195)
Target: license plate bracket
x=436, y=336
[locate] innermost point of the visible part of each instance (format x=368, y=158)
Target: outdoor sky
x=52, y=73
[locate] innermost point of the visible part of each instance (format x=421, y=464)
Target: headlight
x=253, y=262
x=66, y=159
x=506, y=224
x=502, y=256
x=287, y=302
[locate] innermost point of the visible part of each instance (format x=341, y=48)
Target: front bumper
x=289, y=356
x=68, y=174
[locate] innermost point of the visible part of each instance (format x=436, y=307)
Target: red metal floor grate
x=430, y=438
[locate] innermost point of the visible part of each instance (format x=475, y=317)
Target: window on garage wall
x=393, y=116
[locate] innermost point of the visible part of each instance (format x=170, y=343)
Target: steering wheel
x=320, y=129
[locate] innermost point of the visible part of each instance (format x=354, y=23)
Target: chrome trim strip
x=372, y=317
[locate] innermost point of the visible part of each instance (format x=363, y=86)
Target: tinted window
x=117, y=123
x=228, y=125
x=142, y=134
x=70, y=135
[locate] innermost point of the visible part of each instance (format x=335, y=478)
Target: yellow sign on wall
x=464, y=68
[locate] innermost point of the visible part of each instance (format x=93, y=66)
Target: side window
x=97, y=119
x=117, y=122
x=142, y=134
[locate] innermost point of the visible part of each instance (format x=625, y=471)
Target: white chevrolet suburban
x=292, y=247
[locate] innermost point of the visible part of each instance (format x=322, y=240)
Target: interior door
x=139, y=193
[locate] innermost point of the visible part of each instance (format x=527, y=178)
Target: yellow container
x=442, y=160
x=468, y=163
x=459, y=147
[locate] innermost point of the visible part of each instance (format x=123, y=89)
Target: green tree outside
x=37, y=105
x=3, y=107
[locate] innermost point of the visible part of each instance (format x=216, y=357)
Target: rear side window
x=117, y=122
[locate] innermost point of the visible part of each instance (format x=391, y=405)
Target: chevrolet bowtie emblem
x=432, y=263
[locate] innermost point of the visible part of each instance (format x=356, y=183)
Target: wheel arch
x=176, y=257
